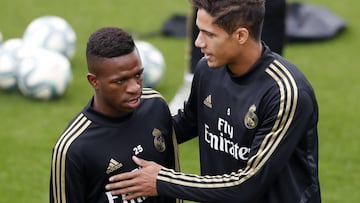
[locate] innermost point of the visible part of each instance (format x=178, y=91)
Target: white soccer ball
x=9, y=61
x=153, y=62
x=53, y=33
x=43, y=74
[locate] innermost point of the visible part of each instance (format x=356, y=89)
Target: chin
x=214, y=65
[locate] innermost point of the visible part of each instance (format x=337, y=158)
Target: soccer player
x=120, y=120
x=273, y=34
x=255, y=115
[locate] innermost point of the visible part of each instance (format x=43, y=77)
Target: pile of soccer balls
x=38, y=64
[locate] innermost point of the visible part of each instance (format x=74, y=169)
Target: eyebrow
x=207, y=32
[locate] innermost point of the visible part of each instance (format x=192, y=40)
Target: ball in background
x=9, y=62
x=43, y=74
x=153, y=62
x=53, y=33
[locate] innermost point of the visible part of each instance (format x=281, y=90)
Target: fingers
x=122, y=176
x=128, y=193
x=131, y=196
x=122, y=186
x=139, y=161
x=138, y=183
x=121, y=183
x=128, y=189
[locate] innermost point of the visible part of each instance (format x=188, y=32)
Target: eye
x=140, y=74
x=120, y=81
x=209, y=34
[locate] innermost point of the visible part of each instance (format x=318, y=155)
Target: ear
x=242, y=35
x=92, y=80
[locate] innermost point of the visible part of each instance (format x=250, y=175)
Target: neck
x=247, y=58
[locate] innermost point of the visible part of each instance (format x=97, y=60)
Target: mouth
x=134, y=102
x=207, y=56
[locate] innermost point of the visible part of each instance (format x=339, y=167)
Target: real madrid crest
x=251, y=120
x=159, y=141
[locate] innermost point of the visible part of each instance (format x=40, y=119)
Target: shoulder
x=152, y=98
x=153, y=108
x=149, y=93
x=286, y=70
x=68, y=145
x=290, y=82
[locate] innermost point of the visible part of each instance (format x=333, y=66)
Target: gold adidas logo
x=207, y=101
x=113, y=166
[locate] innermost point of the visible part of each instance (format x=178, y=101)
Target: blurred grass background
x=28, y=128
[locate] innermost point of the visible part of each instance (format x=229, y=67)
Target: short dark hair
x=108, y=42
x=232, y=14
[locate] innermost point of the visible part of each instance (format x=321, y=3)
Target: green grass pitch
x=28, y=129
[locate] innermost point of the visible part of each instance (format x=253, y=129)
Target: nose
x=133, y=85
x=199, y=42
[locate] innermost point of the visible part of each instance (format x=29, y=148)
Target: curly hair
x=232, y=14
x=108, y=42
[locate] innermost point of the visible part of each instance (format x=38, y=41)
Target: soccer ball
x=9, y=61
x=43, y=74
x=53, y=33
x=153, y=62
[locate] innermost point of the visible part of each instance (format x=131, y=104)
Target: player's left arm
x=276, y=139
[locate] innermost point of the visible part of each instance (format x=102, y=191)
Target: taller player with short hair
x=120, y=120
x=273, y=34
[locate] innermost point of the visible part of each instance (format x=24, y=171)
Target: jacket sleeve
x=66, y=181
x=286, y=119
x=185, y=122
